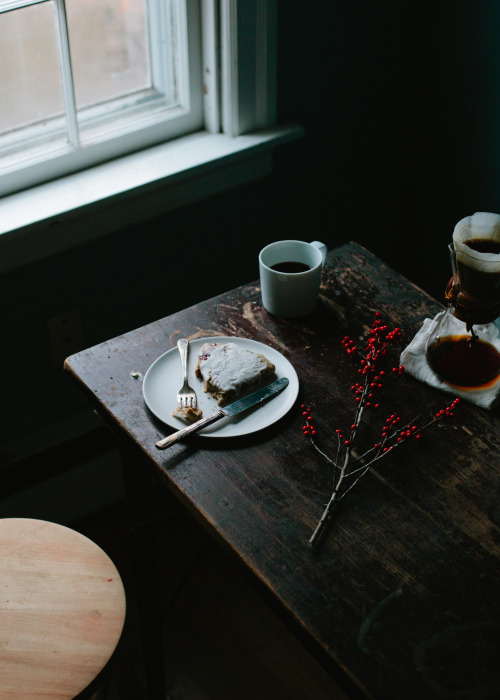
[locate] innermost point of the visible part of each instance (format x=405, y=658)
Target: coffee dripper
x=461, y=348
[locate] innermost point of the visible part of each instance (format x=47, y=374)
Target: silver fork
x=186, y=396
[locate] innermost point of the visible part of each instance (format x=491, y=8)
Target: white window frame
x=122, y=125
x=234, y=146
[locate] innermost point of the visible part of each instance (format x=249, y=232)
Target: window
x=206, y=123
x=82, y=81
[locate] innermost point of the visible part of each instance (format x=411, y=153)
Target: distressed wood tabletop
x=402, y=595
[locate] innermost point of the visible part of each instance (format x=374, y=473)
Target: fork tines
x=186, y=401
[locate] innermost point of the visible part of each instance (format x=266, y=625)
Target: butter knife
x=232, y=409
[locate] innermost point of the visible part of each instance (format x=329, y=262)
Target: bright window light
x=83, y=81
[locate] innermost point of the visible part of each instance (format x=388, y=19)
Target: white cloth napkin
x=413, y=359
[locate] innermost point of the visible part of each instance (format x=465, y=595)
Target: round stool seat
x=62, y=610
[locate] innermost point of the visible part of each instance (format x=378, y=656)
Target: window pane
x=109, y=49
x=30, y=85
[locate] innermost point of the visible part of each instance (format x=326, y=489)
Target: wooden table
x=401, y=599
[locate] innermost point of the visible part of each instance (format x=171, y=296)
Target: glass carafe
x=462, y=348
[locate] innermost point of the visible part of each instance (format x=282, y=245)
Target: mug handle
x=322, y=249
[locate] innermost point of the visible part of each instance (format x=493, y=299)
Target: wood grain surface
x=62, y=610
x=402, y=597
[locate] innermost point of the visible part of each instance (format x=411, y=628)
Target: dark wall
x=401, y=111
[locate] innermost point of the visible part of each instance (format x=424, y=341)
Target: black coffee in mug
x=290, y=267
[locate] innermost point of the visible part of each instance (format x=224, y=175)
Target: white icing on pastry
x=230, y=367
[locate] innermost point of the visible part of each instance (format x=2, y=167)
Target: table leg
x=138, y=485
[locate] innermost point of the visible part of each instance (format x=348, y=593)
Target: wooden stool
x=62, y=610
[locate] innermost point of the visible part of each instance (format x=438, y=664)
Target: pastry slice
x=227, y=369
x=189, y=414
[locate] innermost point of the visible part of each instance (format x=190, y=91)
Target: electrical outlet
x=65, y=336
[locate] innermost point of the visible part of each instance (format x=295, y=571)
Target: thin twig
x=393, y=435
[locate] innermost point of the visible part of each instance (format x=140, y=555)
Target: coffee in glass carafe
x=461, y=350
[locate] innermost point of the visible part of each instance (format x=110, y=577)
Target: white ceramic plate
x=164, y=378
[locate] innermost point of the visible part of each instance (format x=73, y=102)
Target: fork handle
x=182, y=344
x=184, y=432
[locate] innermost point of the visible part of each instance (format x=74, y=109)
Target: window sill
x=59, y=215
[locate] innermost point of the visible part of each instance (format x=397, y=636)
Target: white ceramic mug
x=290, y=275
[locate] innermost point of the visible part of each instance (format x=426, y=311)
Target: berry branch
x=347, y=468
